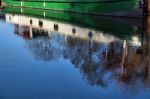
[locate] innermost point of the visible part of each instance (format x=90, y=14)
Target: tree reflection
x=99, y=63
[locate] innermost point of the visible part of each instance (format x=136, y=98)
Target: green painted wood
x=104, y=24
x=76, y=6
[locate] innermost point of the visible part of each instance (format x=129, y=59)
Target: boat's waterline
x=106, y=24
x=127, y=8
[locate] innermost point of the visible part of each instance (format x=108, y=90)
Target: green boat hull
x=90, y=7
x=105, y=24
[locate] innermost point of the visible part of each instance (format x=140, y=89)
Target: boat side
x=97, y=7
x=106, y=24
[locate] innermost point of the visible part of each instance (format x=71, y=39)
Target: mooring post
x=147, y=43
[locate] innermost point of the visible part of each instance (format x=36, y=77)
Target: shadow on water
x=102, y=48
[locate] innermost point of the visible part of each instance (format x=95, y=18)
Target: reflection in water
x=102, y=58
x=2, y=17
x=99, y=63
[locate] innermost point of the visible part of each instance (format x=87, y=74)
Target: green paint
x=105, y=24
x=73, y=5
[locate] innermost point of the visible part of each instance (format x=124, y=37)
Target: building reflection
x=2, y=16
x=100, y=57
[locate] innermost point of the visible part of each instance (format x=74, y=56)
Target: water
x=45, y=58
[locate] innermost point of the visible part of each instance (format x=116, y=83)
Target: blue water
x=64, y=71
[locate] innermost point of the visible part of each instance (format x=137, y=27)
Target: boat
x=103, y=29
x=119, y=27
x=126, y=8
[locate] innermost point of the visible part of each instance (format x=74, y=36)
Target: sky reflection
x=45, y=58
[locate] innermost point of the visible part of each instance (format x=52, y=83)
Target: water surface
x=52, y=59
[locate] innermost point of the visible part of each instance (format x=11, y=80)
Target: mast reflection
x=100, y=57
